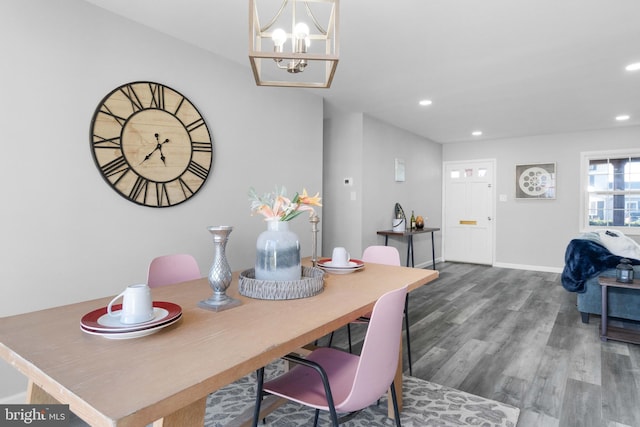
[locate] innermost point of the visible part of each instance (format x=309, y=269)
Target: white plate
x=99, y=321
x=340, y=270
x=131, y=334
x=327, y=263
x=110, y=322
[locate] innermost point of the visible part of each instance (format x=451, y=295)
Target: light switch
x=353, y=195
x=503, y=197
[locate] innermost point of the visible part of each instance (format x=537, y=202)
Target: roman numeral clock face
x=150, y=144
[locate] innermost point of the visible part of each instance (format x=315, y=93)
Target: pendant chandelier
x=293, y=43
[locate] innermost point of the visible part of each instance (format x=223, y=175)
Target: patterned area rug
x=425, y=404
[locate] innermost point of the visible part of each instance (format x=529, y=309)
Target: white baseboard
x=428, y=264
x=529, y=267
x=16, y=399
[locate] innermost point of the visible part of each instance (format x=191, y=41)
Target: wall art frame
x=399, y=170
x=536, y=181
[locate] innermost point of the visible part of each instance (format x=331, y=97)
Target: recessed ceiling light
x=476, y=133
x=633, y=67
x=623, y=117
x=425, y=102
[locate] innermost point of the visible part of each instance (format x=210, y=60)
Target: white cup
x=137, y=306
x=340, y=257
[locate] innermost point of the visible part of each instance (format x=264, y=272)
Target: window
x=468, y=173
x=612, y=191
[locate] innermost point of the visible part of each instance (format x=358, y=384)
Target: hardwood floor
x=515, y=336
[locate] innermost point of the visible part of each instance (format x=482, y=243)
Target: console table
x=409, y=235
x=613, y=332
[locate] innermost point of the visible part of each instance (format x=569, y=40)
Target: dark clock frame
x=151, y=144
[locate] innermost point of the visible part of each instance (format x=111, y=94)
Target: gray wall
x=342, y=221
x=533, y=234
x=66, y=235
x=364, y=148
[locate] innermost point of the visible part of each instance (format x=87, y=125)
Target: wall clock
x=151, y=144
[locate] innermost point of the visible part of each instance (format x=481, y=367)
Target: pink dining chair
x=387, y=255
x=170, y=269
x=333, y=380
x=381, y=255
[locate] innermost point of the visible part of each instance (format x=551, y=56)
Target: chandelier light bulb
x=301, y=36
x=278, y=37
x=301, y=30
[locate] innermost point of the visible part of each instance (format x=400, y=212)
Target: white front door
x=468, y=211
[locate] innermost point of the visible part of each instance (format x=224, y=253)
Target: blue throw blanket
x=585, y=259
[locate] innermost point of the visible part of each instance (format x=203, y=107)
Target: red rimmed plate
x=353, y=264
x=100, y=321
x=119, y=335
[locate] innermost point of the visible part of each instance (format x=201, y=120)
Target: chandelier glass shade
x=293, y=43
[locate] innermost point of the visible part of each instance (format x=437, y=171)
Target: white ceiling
x=507, y=67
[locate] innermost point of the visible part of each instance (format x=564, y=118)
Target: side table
x=614, y=332
x=409, y=235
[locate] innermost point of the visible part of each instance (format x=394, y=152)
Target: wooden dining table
x=165, y=377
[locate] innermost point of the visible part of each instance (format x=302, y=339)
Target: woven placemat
x=311, y=283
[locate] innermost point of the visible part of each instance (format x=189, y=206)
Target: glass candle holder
x=624, y=271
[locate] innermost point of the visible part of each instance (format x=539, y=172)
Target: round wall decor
x=151, y=144
x=536, y=181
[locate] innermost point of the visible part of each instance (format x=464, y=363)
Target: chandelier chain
x=313, y=18
x=309, y=12
x=275, y=18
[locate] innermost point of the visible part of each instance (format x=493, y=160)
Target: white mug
x=340, y=257
x=137, y=306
